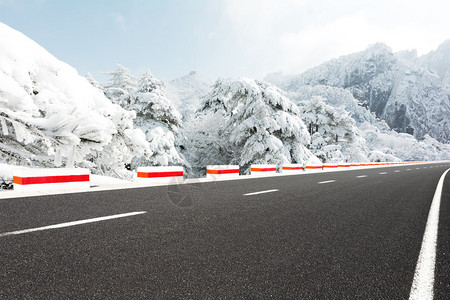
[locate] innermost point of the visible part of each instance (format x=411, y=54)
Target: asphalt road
x=337, y=235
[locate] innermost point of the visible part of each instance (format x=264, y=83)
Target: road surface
x=336, y=235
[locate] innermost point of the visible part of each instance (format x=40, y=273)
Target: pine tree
x=334, y=135
x=121, y=86
x=155, y=115
x=256, y=123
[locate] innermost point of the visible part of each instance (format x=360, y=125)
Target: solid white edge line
x=423, y=283
x=328, y=181
x=261, y=192
x=74, y=223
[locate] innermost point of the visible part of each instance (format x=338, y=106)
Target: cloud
x=293, y=35
x=316, y=44
x=259, y=19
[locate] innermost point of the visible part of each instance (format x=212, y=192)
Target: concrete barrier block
x=314, y=167
x=292, y=168
x=43, y=179
x=222, y=171
x=343, y=165
x=160, y=174
x=330, y=165
x=263, y=169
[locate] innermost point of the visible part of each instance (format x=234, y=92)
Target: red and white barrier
x=314, y=167
x=222, y=171
x=160, y=174
x=292, y=168
x=343, y=165
x=40, y=179
x=263, y=169
x=328, y=166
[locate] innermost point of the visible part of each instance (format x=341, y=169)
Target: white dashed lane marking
x=74, y=223
x=383, y=173
x=328, y=181
x=361, y=176
x=261, y=192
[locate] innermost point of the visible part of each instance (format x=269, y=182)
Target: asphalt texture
x=354, y=238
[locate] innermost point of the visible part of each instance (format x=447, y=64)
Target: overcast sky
x=222, y=38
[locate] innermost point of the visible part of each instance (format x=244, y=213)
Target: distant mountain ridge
x=411, y=94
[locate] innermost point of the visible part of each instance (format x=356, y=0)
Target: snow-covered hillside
x=407, y=93
x=186, y=92
x=51, y=116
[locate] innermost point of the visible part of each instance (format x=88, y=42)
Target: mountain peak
x=378, y=48
x=444, y=46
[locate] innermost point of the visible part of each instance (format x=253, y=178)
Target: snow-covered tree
x=155, y=115
x=334, y=135
x=384, y=142
x=255, y=123
x=93, y=82
x=121, y=86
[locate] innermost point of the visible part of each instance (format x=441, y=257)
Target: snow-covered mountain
x=51, y=116
x=409, y=93
x=186, y=92
x=438, y=62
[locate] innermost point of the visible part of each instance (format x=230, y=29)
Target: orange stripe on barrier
x=292, y=168
x=230, y=171
x=159, y=174
x=262, y=169
x=313, y=167
x=17, y=180
x=330, y=166
x=142, y=175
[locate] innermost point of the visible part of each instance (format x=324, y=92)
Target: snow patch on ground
x=105, y=180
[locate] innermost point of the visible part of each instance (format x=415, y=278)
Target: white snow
x=105, y=180
x=47, y=108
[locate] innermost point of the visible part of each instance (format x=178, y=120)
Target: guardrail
x=35, y=179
